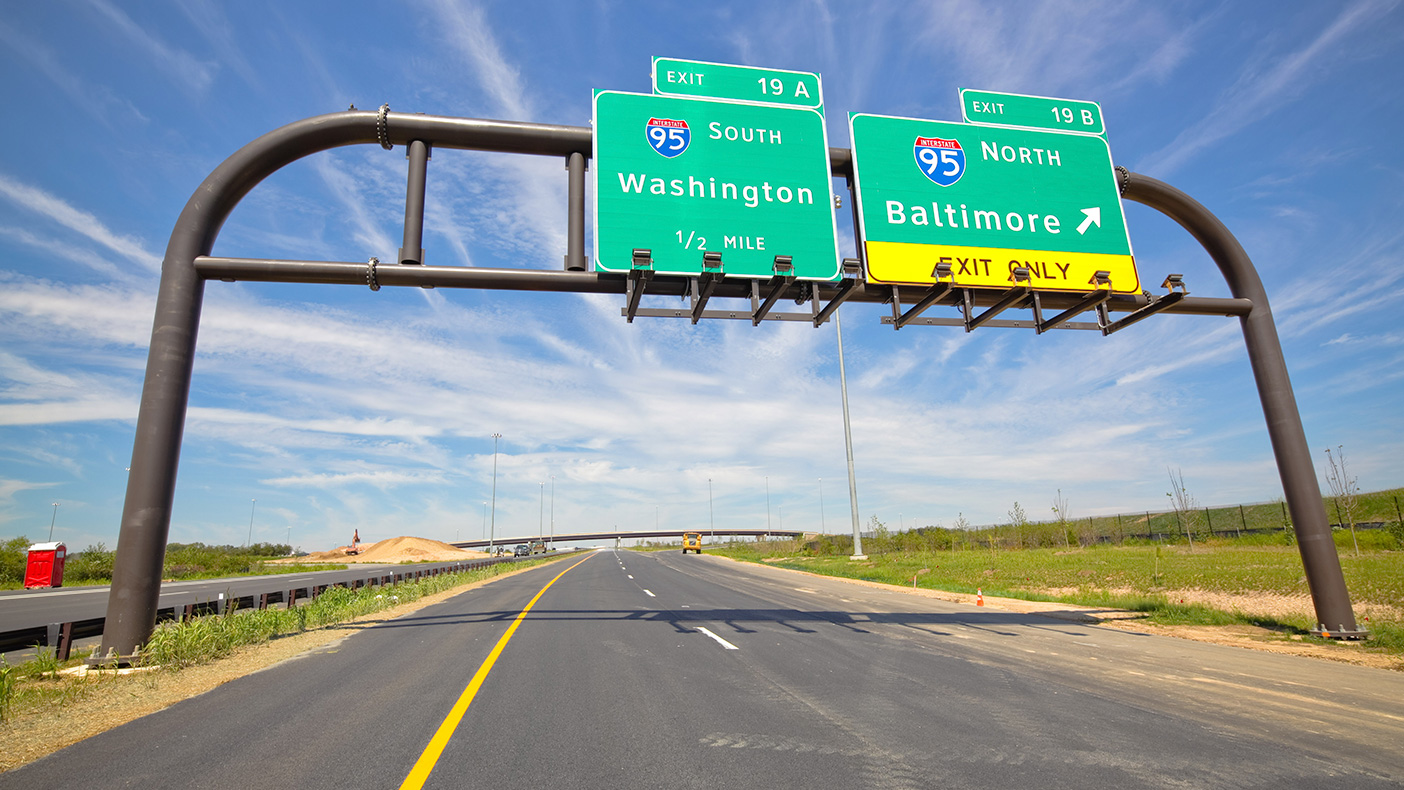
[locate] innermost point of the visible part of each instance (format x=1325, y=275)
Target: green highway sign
x=1031, y=112
x=683, y=177
x=985, y=200
x=699, y=79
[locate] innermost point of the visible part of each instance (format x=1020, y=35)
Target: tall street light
x=711, y=513
x=492, y=533
x=848, y=445
x=767, y=504
x=51, y=522
x=253, y=503
x=552, y=544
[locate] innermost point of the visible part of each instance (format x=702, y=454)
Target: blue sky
x=337, y=408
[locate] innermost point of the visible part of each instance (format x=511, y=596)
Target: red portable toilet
x=45, y=567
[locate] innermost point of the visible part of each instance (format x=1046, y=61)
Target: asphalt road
x=610, y=681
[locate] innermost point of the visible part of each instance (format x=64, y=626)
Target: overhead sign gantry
x=639, y=135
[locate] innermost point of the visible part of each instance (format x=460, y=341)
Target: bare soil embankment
x=392, y=551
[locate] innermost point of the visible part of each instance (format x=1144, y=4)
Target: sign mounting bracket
x=935, y=295
x=1096, y=299
x=639, y=274
x=704, y=284
x=784, y=276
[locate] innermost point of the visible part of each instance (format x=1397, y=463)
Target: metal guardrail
x=61, y=636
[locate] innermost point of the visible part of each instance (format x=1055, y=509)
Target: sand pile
x=394, y=550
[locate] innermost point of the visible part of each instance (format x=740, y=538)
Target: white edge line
x=720, y=641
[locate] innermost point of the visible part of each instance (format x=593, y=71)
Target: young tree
x=1060, y=513
x=962, y=526
x=1343, y=490
x=1183, y=502
x=1019, y=520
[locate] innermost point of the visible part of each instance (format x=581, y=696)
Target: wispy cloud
x=194, y=74
x=1054, y=47
x=57, y=210
x=381, y=479
x=1260, y=91
x=209, y=18
x=465, y=27
x=98, y=100
x=366, y=228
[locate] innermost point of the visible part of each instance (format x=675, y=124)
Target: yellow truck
x=692, y=541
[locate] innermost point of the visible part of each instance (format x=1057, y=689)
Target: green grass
x=1137, y=578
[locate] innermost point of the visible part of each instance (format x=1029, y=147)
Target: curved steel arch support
x=146, y=511
x=1329, y=596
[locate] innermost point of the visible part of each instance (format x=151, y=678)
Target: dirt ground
x=29, y=735
x=391, y=550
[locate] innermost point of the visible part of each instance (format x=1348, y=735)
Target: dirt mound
x=394, y=550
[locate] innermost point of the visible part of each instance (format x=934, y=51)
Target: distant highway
x=630, y=535
x=648, y=670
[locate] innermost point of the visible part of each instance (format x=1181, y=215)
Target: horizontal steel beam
x=660, y=533
x=347, y=273
x=993, y=323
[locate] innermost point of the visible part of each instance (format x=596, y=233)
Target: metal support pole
x=1289, y=445
x=575, y=260
x=492, y=528
x=848, y=446
x=165, y=393
x=413, y=249
x=711, y=512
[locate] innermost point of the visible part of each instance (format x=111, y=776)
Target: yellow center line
x=419, y=774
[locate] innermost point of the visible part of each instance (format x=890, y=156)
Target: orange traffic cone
x=979, y=597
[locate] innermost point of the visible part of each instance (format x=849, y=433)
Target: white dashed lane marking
x=720, y=641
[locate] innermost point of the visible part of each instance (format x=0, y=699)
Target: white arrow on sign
x=1094, y=216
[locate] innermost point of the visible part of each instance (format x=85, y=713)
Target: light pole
x=492, y=534
x=289, y=540
x=53, y=519
x=848, y=445
x=767, y=504
x=553, y=512
x=253, y=503
x=822, y=528
x=711, y=513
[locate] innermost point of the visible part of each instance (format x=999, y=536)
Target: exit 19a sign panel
x=987, y=200
x=681, y=177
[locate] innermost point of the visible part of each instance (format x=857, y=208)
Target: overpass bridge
x=657, y=533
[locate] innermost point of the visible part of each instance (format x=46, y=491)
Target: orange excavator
x=355, y=543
